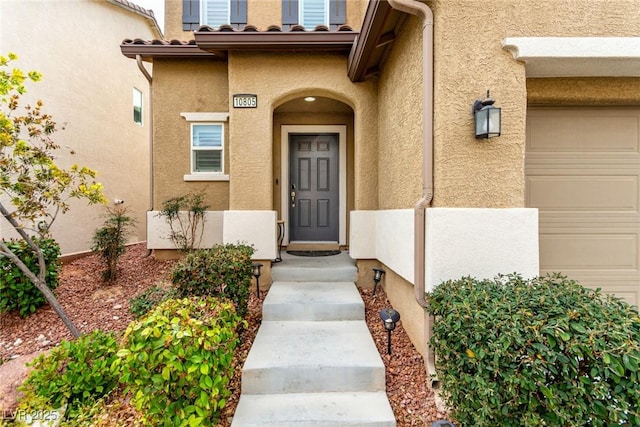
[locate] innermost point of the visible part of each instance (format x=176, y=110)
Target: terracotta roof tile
x=215, y=42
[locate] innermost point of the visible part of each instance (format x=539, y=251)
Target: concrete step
x=313, y=301
x=336, y=268
x=313, y=357
x=314, y=410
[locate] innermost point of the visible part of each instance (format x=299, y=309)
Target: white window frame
x=301, y=7
x=195, y=119
x=138, y=96
x=203, y=13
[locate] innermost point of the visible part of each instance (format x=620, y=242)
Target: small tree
x=111, y=238
x=185, y=216
x=33, y=188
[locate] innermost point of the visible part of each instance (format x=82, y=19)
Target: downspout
x=422, y=11
x=150, y=80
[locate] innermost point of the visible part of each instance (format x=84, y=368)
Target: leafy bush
x=545, y=351
x=75, y=373
x=16, y=290
x=185, y=216
x=110, y=239
x=224, y=270
x=149, y=299
x=177, y=361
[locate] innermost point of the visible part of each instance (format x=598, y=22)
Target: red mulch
x=93, y=304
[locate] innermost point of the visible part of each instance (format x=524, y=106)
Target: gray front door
x=313, y=187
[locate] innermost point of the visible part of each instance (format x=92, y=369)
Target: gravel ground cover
x=93, y=304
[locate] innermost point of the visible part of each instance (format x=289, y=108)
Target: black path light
x=389, y=319
x=256, y=273
x=443, y=423
x=377, y=275
x=487, y=118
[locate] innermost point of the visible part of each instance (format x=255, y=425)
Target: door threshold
x=313, y=246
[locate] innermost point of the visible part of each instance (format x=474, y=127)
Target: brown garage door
x=583, y=174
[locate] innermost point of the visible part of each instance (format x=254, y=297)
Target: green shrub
x=110, y=239
x=185, y=216
x=75, y=373
x=177, y=361
x=149, y=299
x=539, y=352
x=224, y=270
x=17, y=293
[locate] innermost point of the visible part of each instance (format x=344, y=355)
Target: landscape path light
x=390, y=318
x=256, y=273
x=377, y=275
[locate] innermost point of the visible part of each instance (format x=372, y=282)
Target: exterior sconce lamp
x=377, y=275
x=486, y=117
x=256, y=273
x=389, y=319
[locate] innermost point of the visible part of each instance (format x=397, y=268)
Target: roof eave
x=375, y=40
x=296, y=40
x=150, y=51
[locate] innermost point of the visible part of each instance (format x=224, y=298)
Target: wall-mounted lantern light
x=256, y=273
x=487, y=118
x=389, y=318
x=377, y=275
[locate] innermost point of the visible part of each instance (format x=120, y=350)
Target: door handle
x=293, y=199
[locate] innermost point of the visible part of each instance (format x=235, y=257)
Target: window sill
x=206, y=177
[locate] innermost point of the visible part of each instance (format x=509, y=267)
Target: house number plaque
x=245, y=100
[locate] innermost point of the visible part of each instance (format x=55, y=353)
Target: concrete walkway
x=313, y=362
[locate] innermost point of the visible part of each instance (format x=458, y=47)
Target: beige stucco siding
x=179, y=87
x=468, y=61
x=400, y=122
x=284, y=77
x=261, y=13
x=87, y=87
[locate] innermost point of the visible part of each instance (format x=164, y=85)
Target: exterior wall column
x=366, y=155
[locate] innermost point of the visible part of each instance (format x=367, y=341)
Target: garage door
x=583, y=174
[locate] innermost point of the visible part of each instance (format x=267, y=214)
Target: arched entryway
x=313, y=166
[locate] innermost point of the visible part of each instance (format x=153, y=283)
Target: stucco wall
x=261, y=13
x=178, y=87
x=87, y=87
x=400, y=121
x=283, y=77
x=469, y=59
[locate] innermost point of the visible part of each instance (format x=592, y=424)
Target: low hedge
x=538, y=352
x=222, y=271
x=75, y=373
x=17, y=292
x=177, y=361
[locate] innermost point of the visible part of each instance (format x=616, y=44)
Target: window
x=207, y=148
x=215, y=12
x=137, y=106
x=313, y=13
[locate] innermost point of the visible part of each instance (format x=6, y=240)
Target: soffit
x=577, y=56
x=320, y=105
x=379, y=28
x=215, y=43
x=320, y=39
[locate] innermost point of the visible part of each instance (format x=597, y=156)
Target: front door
x=314, y=187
